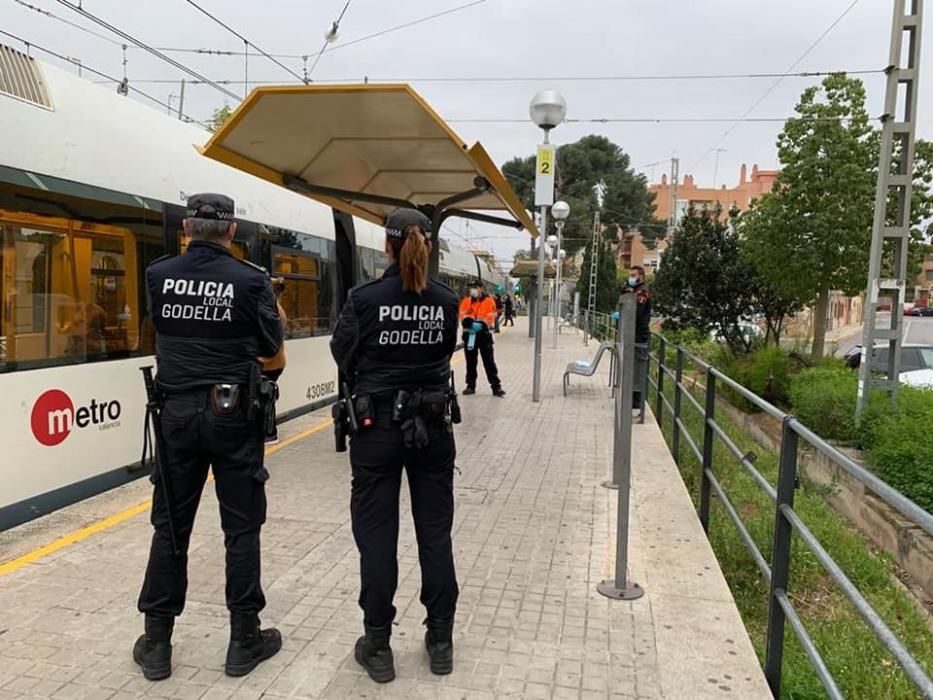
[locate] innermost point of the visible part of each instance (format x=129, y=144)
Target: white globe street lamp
x=548, y=109
x=560, y=210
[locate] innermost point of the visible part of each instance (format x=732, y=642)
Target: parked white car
x=920, y=378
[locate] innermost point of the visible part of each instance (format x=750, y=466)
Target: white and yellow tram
x=92, y=188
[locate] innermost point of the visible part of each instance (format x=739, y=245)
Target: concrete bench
x=584, y=368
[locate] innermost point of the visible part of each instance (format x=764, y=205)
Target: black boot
x=498, y=391
x=249, y=645
x=440, y=645
x=153, y=650
x=374, y=654
x=469, y=390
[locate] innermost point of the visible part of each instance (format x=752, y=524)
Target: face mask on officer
x=474, y=292
x=633, y=281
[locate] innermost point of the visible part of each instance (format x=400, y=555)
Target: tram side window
x=368, y=264
x=66, y=294
x=381, y=262
x=299, y=300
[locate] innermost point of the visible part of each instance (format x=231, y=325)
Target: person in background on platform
x=478, y=317
x=393, y=341
x=635, y=284
x=509, y=310
x=272, y=367
x=499, y=307
x=206, y=368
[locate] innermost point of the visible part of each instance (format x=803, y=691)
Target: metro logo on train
x=54, y=416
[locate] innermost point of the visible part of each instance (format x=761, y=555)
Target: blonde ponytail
x=412, y=256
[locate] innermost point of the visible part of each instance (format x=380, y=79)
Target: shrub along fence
x=790, y=530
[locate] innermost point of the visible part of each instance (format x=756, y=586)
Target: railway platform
x=533, y=536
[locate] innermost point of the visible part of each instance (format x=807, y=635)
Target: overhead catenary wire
x=777, y=82
x=84, y=66
x=332, y=31
x=246, y=41
x=225, y=52
x=155, y=52
x=52, y=15
x=566, y=78
x=342, y=45
x=654, y=120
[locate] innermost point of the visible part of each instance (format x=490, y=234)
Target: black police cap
x=476, y=283
x=401, y=219
x=209, y=205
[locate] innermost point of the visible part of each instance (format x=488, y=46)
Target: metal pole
x=620, y=588
x=780, y=558
x=576, y=310
x=559, y=225
x=678, y=383
x=530, y=298
x=708, y=418
x=181, y=100
x=539, y=312
x=662, y=350
x=898, y=132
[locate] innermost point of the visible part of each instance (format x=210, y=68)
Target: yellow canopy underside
x=376, y=139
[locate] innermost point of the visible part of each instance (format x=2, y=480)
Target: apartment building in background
x=688, y=193
x=632, y=249
x=923, y=290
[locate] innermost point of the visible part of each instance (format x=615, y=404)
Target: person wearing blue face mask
x=635, y=284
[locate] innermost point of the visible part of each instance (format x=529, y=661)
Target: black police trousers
x=377, y=455
x=483, y=347
x=195, y=439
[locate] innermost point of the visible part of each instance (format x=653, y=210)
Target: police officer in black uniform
x=393, y=341
x=213, y=316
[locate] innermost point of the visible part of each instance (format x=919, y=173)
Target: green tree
x=704, y=280
x=826, y=192
x=607, y=284
x=219, y=118
x=593, y=174
x=766, y=234
x=921, y=212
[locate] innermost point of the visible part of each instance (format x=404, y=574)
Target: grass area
x=859, y=663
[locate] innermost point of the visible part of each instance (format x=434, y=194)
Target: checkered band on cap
x=208, y=205
x=401, y=219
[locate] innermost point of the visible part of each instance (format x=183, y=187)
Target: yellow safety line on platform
x=107, y=523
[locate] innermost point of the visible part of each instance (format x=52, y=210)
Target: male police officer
x=213, y=316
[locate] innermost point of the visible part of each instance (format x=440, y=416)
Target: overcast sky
x=551, y=39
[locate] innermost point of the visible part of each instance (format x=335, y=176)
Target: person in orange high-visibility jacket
x=478, y=317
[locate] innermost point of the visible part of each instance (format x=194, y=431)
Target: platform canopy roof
x=364, y=150
x=529, y=268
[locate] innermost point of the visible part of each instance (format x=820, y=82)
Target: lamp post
x=547, y=110
x=560, y=210
x=552, y=256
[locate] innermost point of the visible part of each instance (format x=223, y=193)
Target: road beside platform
x=534, y=535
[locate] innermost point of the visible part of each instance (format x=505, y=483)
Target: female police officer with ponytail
x=393, y=342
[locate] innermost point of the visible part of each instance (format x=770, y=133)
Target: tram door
x=348, y=259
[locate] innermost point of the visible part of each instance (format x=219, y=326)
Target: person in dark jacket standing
x=635, y=284
x=214, y=316
x=393, y=342
x=509, y=310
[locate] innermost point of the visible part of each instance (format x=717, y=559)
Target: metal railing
x=598, y=325
x=787, y=521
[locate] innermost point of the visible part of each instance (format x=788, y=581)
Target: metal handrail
x=781, y=609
